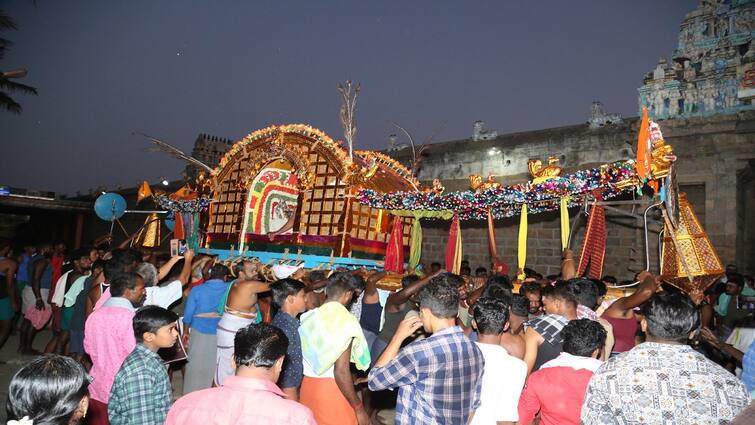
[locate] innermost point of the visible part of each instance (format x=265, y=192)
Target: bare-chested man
x=239, y=309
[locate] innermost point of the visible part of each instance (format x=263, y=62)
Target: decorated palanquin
x=291, y=188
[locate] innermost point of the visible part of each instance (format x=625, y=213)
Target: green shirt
x=141, y=393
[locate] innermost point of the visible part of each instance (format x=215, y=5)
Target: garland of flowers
x=183, y=206
x=506, y=201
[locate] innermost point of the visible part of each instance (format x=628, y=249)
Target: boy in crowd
x=141, y=393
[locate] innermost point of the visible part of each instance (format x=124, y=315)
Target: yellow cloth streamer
x=522, y=246
x=564, y=209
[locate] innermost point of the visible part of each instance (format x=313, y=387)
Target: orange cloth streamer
x=178, y=227
x=643, y=153
x=453, y=246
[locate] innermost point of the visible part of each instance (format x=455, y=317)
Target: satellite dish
x=110, y=206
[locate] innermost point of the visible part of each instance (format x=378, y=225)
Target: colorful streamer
x=453, y=246
x=415, y=247
x=522, y=245
x=564, y=209
x=394, y=252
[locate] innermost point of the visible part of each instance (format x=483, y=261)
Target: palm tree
x=6, y=84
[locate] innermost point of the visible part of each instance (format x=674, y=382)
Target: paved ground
x=10, y=362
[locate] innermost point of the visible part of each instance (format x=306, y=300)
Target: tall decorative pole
x=349, y=92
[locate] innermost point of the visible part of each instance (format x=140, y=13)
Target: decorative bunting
x=506, y=201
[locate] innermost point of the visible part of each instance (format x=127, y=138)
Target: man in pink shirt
x=250, y=396
x=109, y=338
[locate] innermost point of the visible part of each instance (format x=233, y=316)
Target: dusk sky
x=174, y=69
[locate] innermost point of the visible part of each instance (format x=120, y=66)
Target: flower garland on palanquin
x=506, y=201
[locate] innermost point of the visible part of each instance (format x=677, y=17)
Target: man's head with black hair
x=497, y=291
x=290, y=294
x=583, y=337
x=608, y=279
x=341, y=287
x=520, y=305
x=585, y=292
x=219, y=271
x=501, y=280
x=260, y=348
x=465, y=271
x=81, y=259
x=128, y=285
x=558, y=299
x=481, y=272
x=734, y=283
x=669, y=317
x=435, y=267
x=532, y=292
x=439, y=299
x=408, y=280
x=316, y=276
x=491, y=315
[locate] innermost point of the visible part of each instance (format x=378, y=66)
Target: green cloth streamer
x=415, y=247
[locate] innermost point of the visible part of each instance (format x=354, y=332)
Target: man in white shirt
x=504, y=375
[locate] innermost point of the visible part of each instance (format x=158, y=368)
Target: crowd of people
x=284, y=345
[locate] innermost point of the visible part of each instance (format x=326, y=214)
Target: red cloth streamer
x=178, y=227
x=499, y=267
x=394, y=252
x=453, y=246
x=594, y=245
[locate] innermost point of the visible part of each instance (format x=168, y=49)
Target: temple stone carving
x=598, y=118
x=711, y=71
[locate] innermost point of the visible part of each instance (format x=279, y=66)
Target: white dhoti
x=227, y=328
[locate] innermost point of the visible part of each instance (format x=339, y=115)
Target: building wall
x=711, y=152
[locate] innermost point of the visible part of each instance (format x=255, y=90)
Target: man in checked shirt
x=439, y=378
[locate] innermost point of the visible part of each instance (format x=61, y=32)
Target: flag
x=144, y=192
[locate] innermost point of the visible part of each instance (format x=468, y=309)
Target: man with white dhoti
x=239, y=309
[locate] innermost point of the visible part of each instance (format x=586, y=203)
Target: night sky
x=174, y=69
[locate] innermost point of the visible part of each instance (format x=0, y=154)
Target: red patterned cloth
x=594, y=246
x=394, y=252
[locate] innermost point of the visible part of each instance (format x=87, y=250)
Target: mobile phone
x=178, y=247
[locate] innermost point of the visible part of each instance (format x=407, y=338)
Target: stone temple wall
x=714, y=167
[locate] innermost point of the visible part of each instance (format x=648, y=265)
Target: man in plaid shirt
x=439, y=378
x=141, y=393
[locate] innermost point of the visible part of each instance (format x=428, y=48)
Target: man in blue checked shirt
x=439, y=378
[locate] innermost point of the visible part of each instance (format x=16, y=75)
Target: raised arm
x=648, y=286
x=186, y=271
x=165, y=269
x=568, y=270
x=400, y=297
